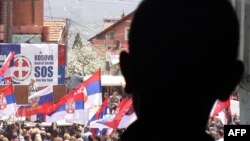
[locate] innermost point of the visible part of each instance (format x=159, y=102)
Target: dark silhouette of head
x=182, y=57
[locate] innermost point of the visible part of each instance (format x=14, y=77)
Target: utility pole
x=33, y=12
x=107, y=63
x=67, y=25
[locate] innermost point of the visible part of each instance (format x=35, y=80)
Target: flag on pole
x=99, y=123
x=6, y=63
x=114, y=123
x=94, y=90
x=103, y=110
x=7, y=101
x=39, y=103
x=91, y=90
x=128, y=118
x=220, y=106
x=70, y=107
x=123, y=117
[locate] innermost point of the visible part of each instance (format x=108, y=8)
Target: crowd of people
x=75, y=132
x=19, y=131
x=215, y=127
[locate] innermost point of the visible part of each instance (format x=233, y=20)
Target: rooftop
x=55, y=29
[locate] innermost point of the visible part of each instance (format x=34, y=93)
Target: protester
x=86, y=133
x=113, y=102
x=33, y=86
x=75, y=80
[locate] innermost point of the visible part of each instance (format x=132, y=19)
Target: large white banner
x=36, y=60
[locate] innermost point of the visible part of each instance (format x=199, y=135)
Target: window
x=111, y=35
x=126, y=33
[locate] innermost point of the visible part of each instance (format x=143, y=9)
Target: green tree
x=78, y=41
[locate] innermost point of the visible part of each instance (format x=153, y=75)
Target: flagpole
x=14, y=114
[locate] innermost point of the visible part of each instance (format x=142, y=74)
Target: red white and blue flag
x=7, y=101
x=114, y=123
x=70, y=107
x=127, y=119
x=5, y=72
x=39, y=103
x=94, y=90
x=220, y=106
x=91, y=90
x=123, y=117
x=101, y=112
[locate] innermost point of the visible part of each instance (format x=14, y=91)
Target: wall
x=21, y=93
x=242, y=8
x=23, y=13
x=119, y=34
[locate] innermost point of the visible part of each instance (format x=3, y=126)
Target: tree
x=85, y=60
x=78, y=41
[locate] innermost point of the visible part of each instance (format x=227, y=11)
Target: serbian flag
x=101, y=112
x=75, y=92
x=94, y=90
x=70, y=107
x=91, y=90
x=99, y=123
x=125, y=107
x=92, y=93
x=39, y=103
x=114, y=123
x=220, y=106
x=128, y=118
x=7, y=101
x=79, y=91
x=6, y=63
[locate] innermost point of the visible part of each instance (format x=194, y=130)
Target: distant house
x=113, y=38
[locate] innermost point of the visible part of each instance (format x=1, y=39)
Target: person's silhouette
x=182, y=57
